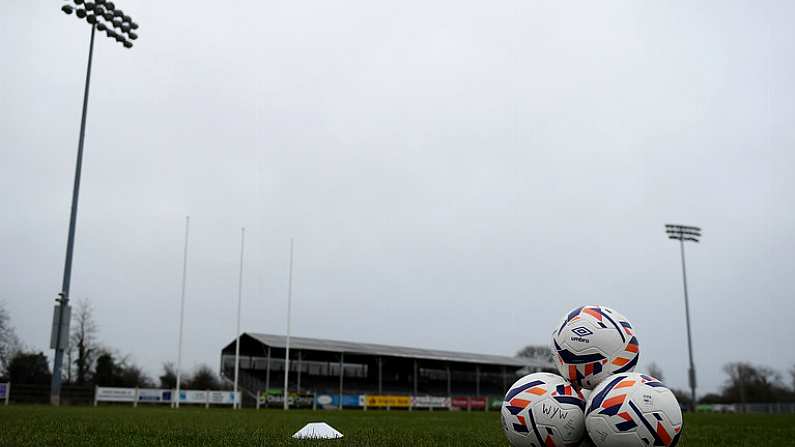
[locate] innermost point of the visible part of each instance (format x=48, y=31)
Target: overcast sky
x=456, y=174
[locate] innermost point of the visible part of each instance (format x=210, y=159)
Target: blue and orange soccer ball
x=541, y=410
x=592, y=343
x=629, y=410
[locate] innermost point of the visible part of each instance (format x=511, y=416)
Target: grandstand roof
x=316, y=344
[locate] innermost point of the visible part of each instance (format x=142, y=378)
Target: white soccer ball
x=543, y=409
x=633, y=410
x=593, y=342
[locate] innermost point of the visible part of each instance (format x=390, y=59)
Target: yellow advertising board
x=388, y=401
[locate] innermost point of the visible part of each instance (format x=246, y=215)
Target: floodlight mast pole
x=685, y=233
x=63, y=299
x=692, y=371
x=113, y=18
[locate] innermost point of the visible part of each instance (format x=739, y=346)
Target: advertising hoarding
x=331, y=401
x=222, y=397
x=154, y=396
x=107, y=394
x=383, y=401
x=469, y=403
x=430, y=402
x=477, y=403
x=275, y=398
x=192, y=397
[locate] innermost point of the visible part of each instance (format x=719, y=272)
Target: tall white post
x=182, y=309
x=239, y=305
x=287, y=344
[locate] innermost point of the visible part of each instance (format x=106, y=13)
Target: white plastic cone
x=317, y=430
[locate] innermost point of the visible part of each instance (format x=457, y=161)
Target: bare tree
x=792, y=373
x=84, y=340
x=655, y=371
x=752, y=383
x=68, y=366
x=132, y=375
x=169, y=378
x=535, y=352
x=9, y=343
x=203, y=378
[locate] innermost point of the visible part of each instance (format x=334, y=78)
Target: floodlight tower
x=101, y=15
x=684, y=233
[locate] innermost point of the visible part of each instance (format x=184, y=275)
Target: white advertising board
x=430, y=402
x=192, y=397
x=115, y=394
x=144, y=395
x=223, y=397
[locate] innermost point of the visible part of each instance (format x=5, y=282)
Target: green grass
x=158, y=426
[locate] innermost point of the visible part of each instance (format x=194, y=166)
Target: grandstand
x=341, y=367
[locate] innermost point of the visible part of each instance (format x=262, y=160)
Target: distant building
x=341, y=367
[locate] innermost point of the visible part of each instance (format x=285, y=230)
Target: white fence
x=5, y=392
x=164, y=396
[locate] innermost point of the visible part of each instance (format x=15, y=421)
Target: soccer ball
x=543, y=409
x=629, y=410
x=593, y=342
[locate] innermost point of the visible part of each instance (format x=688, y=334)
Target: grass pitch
x=158, y=426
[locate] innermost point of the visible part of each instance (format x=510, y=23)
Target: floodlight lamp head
x=128, y=44
x=67, y=9
x=110, y=6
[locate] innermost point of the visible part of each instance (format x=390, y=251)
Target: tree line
x=87, y=361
